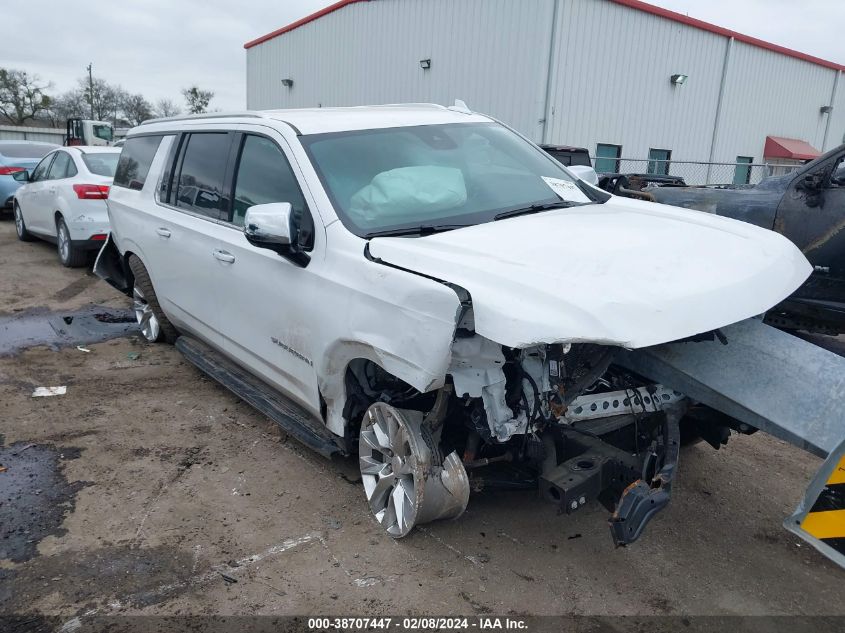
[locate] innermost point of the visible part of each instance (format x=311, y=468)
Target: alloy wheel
x=19, y=221
x=406, y=480
x=387, y=470
x=144, y=315
x=64, y=242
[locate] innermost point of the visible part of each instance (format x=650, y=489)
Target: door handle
x=163, y=232
x=223, y=256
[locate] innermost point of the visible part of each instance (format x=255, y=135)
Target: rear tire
x=154, y=324
x=69, y=255
x=20, y=225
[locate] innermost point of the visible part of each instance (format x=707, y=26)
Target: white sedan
x=64, y=201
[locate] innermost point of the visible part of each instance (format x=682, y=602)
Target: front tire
x=69, y=255
x=20, y=225
x=153, y=323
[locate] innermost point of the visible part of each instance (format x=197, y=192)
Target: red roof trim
x=295, y=25
x=632, y=4
x=712, y=28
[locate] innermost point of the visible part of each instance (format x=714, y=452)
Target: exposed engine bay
x=561, y=419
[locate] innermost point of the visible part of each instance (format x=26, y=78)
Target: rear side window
x=101, y=164
x=135, y=161
x=199, y=185
x=264, y=175
x=62, y=167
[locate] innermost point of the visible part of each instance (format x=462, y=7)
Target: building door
x=742, y=173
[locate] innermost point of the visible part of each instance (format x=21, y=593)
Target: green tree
x=135, y=109
x=197, y=100
x=22, y=96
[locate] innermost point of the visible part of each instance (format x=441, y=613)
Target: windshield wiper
x=537, y=208
x=424, y=229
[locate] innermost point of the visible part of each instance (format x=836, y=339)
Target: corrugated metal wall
x=608, y=81
x=18, y=133
x=482, y=51
x=836, y=134
x=768, y=94
x=611, y=83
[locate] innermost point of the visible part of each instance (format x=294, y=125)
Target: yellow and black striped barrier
x=820, y=519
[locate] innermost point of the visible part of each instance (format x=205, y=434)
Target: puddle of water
x=63, y=329
x=139, y=577
x=34, y=497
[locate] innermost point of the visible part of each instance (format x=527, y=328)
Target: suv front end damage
x=584, y=429
x=595, y=415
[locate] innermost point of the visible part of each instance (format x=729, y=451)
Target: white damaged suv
x=425, y=287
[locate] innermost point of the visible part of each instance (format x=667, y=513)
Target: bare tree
x=196, y=99
x=68, y=105
x=166, y=108
x=105, y=98
x=22, y=95
x=136, y=109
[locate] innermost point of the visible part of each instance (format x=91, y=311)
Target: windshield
x=435, y=175
x=102, y=164
x=103, y=131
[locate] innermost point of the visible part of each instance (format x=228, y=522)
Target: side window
x=40, y=171
x=59, y=167
x=607, y=158
x=658, y=161
x=199, y=186
x=71, y=169
x=135, y=160
x=837, y=177
x=264, y=175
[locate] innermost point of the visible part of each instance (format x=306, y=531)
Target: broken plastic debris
x=133, y=355
x=3, y=469
x=43, y=392
x=83, y=349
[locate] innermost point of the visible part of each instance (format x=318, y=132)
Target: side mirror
x=587, y=174
x=811, y=182
x=274, y=226
x=21, y=176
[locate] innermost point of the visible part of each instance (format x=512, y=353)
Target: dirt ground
x=167, y=495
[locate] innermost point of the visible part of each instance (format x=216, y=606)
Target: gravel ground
x=149, y=489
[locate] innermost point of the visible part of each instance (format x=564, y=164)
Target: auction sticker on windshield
x=566, y=189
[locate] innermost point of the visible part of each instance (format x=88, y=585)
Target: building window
x=742, y=173
x=607, y=158
x=658, y=161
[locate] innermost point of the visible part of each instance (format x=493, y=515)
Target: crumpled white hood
x=626, y=272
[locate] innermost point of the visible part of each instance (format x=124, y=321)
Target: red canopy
x=777, y=147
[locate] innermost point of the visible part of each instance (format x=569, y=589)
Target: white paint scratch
x=365, y=582
x=451, y=548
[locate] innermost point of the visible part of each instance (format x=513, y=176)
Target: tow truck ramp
x=777, y=383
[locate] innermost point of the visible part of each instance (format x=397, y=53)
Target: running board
x=293, y=419
x=763, y=377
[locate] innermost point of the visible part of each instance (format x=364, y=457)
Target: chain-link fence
x=694, y=172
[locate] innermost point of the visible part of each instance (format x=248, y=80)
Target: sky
x=158, y=47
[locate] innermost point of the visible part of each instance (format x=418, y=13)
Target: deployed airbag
x=420, y=192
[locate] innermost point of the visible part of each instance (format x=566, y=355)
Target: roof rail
x=208, y=115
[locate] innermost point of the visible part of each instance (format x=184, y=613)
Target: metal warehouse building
x=623, y=78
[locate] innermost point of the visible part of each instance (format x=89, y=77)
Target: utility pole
x=91, y=89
